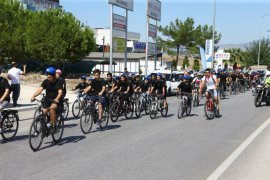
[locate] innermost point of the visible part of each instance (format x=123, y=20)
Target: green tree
x=251, y=53
x=56, y=37
x=174, y=65
x=178, y=33
x=196, y=65
x=12, y=30
x=185, y=62
x=236, y=56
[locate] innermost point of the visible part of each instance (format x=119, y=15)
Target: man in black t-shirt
x=81, y=86
x=4, y=94
x=98, y=86
x=185, y=88
x=222, y=79
x=54, y=92
x=137, y=83
x=62, y=81
x=159, y=87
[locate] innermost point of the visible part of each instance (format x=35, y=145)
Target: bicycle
x=210, y=108
x=65, y=108
x=41, y=128
x=196, y=99
x=90, y=116
x=185, y=105
x=9, y=124
x=222, y=91
x=157, y=104
x=121, y=105
x=143, y=104
x=78, y=105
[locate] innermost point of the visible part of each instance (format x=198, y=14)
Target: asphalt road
x=164, y=148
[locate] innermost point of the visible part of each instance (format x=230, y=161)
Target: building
x=40, y=5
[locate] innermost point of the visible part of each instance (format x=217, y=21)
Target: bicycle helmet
x=159, y=74
x=186, y=77
x=83, y=77
x=147, y=78
x=59, y=71
x=50, y=71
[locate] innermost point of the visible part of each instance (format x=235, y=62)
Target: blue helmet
x=51, y=71
x=90, y=79
x=186, y=77
x=83, y=77
x=159, y=74
x=147, y=78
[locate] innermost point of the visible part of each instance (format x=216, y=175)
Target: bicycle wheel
x=114, y=113
x=138, y=108
x=65, y=110
x=36, y=133
x=195, y=100
x=208, y=110
x=37, y=113
x=9, y=126
x=76, y=108
x=188, y=110
x=57, y=136
x=147, y=106
x=257, y=101
x=105, y=119
x=129, y=110
x=164, y=111
x=153, y=110
x=86, y=121
x=181, y=110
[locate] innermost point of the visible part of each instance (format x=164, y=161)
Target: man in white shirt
x=211, y=82
x=14, y=75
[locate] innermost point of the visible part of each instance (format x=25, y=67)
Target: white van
x=172, y=79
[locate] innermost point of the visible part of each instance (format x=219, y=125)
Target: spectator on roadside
x=126, y=73
x=14, y=75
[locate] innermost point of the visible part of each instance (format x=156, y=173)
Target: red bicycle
x=210, y=108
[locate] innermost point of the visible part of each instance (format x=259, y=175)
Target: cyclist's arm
x=38, y=92
x=60, y=93
x=102, y=91
x=86, y=90
x=128, y=88
x=5, y=95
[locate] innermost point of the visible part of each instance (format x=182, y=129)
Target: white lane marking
x=237, y=152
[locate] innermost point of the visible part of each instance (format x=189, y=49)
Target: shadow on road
x=109, y=127
x=16, y=138
x=70, y=125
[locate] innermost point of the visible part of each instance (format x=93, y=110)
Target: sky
x=237, y=20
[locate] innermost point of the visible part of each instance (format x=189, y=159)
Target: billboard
x=119, y=22
x=139, y=47
x=126, y=4
x=222, y=56
x=151, y=48
x=208, y=50
x=152, y=31
x=154, y=9
x=118, y=45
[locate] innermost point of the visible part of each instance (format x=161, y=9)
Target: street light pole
x=259, y=53
x=213, y=36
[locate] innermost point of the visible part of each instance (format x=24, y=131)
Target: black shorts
x=100, y=99
x=46, y=104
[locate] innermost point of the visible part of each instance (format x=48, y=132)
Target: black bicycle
x=121, y=105
x=89, y=116
x=41, y=128
x=78, y=105
x=185, y=104
x=222, y=91
x=142, y=103
x=9, y=124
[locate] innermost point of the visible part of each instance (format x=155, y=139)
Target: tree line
x=51, y=37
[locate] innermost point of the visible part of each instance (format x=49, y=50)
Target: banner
x=126, y=4
x=222, y=56
x=208, y=50
x=118, y=45
x=154, y=9
x=203, y=58
x=119, y=22
x=152, y=31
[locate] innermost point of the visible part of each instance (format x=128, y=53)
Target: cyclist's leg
x=53, y=113
x=215, y=94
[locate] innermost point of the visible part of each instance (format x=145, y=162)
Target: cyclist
x=110, y=83
x=196, y=82
x=222, y=79
x=267, y=85
x=123, y=86
x=62, y=81
x=234, y=80
x=98, y=85
x=81, y=86
x=54, y=93
x=145, y=88
x=211, y=83
x=185, y=87
x=4, y=94
x=159, y=87
x=137, y=83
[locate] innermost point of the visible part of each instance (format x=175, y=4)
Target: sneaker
x=99, y=122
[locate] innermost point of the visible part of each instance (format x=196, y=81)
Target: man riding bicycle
x=222, y=79
x=54, y=92
x=185, y=88
x=81, y=86
x=159, y=87
x=211, y=83
x=98, y=86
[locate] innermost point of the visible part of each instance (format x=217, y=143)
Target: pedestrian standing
x=14, y=75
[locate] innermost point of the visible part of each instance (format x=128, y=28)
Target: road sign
x=154, y=9
x=126, y=4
